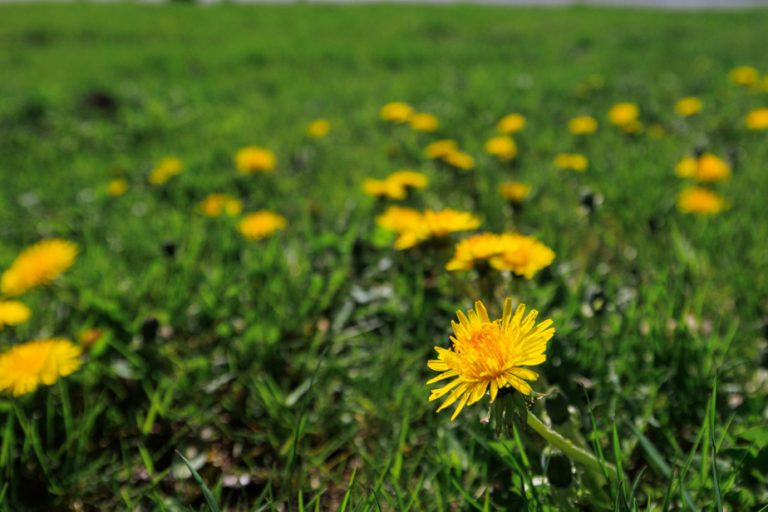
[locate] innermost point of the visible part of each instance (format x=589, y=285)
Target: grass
x=290, y=372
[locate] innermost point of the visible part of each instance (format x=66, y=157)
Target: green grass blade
x=209, y=499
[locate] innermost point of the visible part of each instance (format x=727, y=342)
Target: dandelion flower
x=511, y=123
x=25, y=367
x=711, y=168
x=571, y=161
x=116, y=188
x=502, y=147
x=214, y=205
x=459, y=160
x=389, y=189
x=38, y=265
x=475, y=249
x=700, y=201
x=441, y=148
x=252, y=159
x=165, y=169
x=409, y=179
x=399, y=219
x=757, y=119
x=522, y=255
x=13, y=312
x=744, y=75
x=261, y=224
x=487, y=355
x=396, y=112
x=423, y=122
x=582, y=125
x=318, y=128
x=624, y=115
x=514, y=191
x=436, y=224
x=686, y=167
x=688, y=106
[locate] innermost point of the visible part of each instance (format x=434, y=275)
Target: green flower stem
x=571, y=450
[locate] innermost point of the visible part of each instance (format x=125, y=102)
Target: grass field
x=291, y=371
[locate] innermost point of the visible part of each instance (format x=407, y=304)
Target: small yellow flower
x=571, y=161
x=165, y=169
x=511, y=123
x=399, y=219
x=744, y=75
x=712, y=168
x=409, y=179
x=624, y=114
x=459, y=160
x=252, y=159
x=261, y=224
x=389, y=189
x=318, y=128
x=757, y=119
x=214, y=205
x=423, y=122
x=441, y=148
x=502, y=147
x=25, y=367
x=116, y=188
x=700, y=201
x=13, y=312
x=38, y=265
x=582, y=125
x=688, y=106
x=488, y=355
x=396, y=112
x=520, y=254
x=436, y=224
x=475, y=249
x=686, y=167
x=515, y=191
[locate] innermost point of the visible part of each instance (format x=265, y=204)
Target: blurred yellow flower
x=686, y=167
x=514, y=191
x=757, y=119
x=252, y=159
x=441, y=148
x=38, y=265
x=214, y=205
x=700, y=201
x=13, y=312
x=624, y=115
x=511, y=123
x=744, y=75
x=117, y=187
x=261, y=224
x=436, y=224
x=23, y=368
x=712, y=168
x=488, y=355
x=571, y=161
x=688, y=106
x=475, y=249
x=396, y=112
x=582, y=125
x=502, y=147
x=398, y=218
x=520, y=254
x=459, y=160
x=384, y=188
x=423, y=122
x=318, y=128
x=165, y=169
x=409, y=179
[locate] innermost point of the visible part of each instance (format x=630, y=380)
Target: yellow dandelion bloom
x=475, y=249
x=399, y=219
x=215, y=205
x=261, y=224
x=571, y=161
x=582, y=125
x=744, y=75
x=686, y=167
x=514, y=191
x=25, y=367
x=441, y=148
x=116, y=188
x=13, y=312
x=409, y=179
x=436, y=224
x=522, y=255
x=488, y=355
x=165, y=169
x=624, y=114
x=253, y=159
x=757, y=119
x=511, y=123
x=700, y=201
x=504, y=148
x=711, y=168
x=423, y=122
x=384, y=188
x=318, y=128
x=38, y=265
x=688, y=106
x=459, y=160
x=396, y=112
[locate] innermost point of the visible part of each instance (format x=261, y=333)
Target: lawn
x=290, y=370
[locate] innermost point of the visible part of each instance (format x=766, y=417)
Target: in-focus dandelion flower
x=165, y=169
x=688, y=106
x=515, y=191
x=436, y=224
x=385, y=188
x=409, y=179
x=318, y=128
x=253, y=159
x=744, y=75
x=511, y=123
x=13, y=312
x=25, y=367
x=488, y=355
x=116, y=188
x=38, y=265
x=459, y=160
x=582, y=125
x=571, y=161
x=423, y=122
x=215, y=205
x=441, y=148
x=624, y=115
x=261, y=224
x=700, y=201
x=399, y=219
x=757, y=119
x=396, y=112
x=502, y=147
